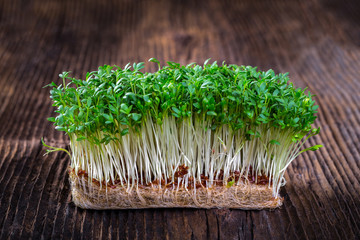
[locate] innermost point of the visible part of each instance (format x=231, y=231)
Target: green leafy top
x=113, y=99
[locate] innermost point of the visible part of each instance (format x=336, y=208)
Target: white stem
x=156, y=152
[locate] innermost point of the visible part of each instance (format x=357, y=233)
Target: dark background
x=317, y=41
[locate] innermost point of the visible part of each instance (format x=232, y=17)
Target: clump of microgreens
x=138, y=127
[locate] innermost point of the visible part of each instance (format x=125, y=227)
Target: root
x=88, y=195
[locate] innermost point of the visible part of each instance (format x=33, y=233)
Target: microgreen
x=210, y=117
x=53, y=149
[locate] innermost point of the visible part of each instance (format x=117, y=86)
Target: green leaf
x=315, y=131
x=113, y=109
x=315, y=107
x=60, y=128
x=63, y=74
x=154, y=60
x=250, y=132
x=274, y=142
x=124, y=132
x=313, y=148
x=231, y=98
x=197, y=105
x=136, y=116
x=176, y=110
x=80, y=138
x=230, y=183
x=107, y=116
x=250, y=114
x=262, y=87
x=52, y=84
x=139, y=66
x=125, y=109
x=211, y=113
x=88, y=102
x=51, y=119
x=206, y=61
x=191, y=89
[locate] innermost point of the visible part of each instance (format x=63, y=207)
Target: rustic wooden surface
x=317, y=41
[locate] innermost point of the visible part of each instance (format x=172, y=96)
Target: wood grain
x=317, y=41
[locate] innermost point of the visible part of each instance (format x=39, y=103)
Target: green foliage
x=113, y=99
x=230, y=183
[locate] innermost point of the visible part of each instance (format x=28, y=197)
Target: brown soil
x=180, y=173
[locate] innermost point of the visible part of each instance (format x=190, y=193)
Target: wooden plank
x=316, y=41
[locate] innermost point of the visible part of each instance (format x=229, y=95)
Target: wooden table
x=318, y=42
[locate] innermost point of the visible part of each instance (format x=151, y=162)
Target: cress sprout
x=216, y=119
